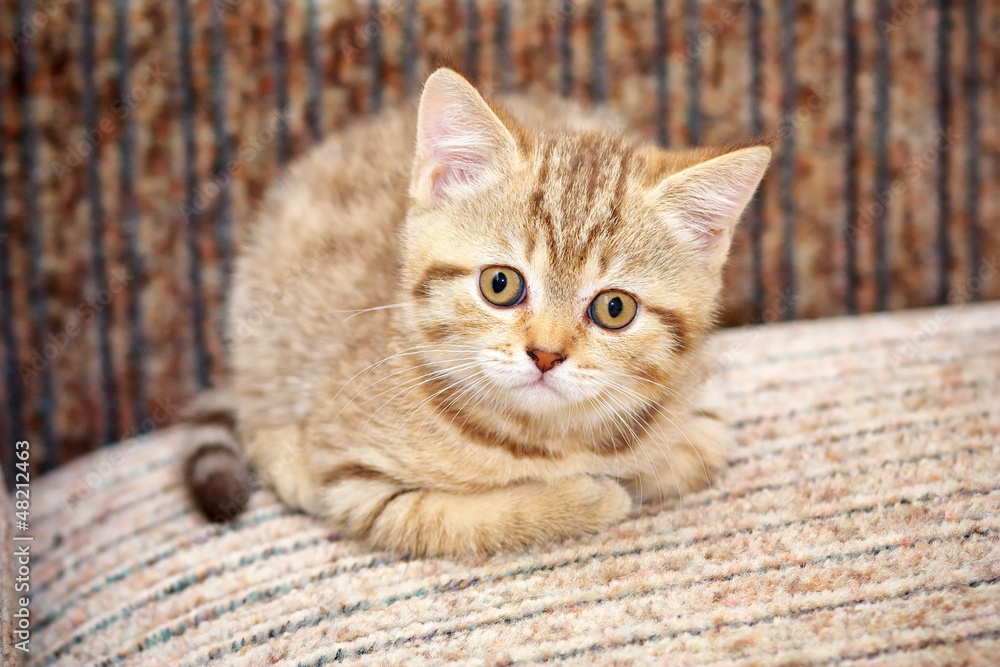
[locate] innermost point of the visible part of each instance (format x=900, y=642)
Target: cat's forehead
x=574, y=172
x=579, y=200
x=589, y=199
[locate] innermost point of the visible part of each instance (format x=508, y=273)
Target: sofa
x=856, y=521
x=856, y=518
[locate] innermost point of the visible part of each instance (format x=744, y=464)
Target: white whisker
x=663, y=411
x=368, y=310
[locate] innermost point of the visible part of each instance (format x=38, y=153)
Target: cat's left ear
x=710, y=197
x=461, y=142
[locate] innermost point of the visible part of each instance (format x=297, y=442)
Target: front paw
x=616, y=503
x=688, y=463
x=605, y=501
x=709, y=443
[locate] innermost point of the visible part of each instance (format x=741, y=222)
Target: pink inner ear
x=707, y=214
x=710, y=237
x=710, y=196
x=711, y=218
x=455, y=163
x=458, y=155
x=443, y=178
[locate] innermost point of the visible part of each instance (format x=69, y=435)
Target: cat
x=465, y=326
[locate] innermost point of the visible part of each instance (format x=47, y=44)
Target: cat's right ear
x=461, y=143
x=710, y=197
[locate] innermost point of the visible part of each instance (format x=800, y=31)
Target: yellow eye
x=612, y=310
x=502, y=286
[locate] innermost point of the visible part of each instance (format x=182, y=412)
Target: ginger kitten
x=468, y=327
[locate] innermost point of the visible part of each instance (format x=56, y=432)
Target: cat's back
x=354, y=181
x=323, y=243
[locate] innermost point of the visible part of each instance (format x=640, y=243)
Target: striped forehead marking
x=577, y=200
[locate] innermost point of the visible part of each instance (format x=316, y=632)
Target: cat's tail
x=216, y=472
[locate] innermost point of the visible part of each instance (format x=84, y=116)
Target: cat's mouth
x=540, y=388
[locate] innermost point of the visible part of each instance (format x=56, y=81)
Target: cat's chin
x=539, y=396
x=540, y=387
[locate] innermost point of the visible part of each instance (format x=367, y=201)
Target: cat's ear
x=461, y=143
x=709, y=197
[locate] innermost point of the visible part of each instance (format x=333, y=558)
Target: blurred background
x=135, y=137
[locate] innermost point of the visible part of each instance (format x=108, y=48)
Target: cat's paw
x=710, y=441
x=429, y=522
x=616, y=503
x=278, y=456
x=689, y=463
x=600, y=501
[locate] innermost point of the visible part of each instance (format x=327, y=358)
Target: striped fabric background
x=135, y=136
x=858, y=522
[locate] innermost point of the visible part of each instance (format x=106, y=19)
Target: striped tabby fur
x=372, y=383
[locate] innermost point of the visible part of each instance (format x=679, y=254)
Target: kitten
x=467, y=327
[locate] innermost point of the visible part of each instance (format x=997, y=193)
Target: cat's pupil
x=614, y=306
x=499, y=282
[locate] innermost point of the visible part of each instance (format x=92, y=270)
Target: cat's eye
x=502, y=286
x=612, y=310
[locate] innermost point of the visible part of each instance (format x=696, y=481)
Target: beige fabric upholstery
x=858, y=521
x=7, y=596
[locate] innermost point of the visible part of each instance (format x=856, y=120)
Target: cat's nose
x=546, y=361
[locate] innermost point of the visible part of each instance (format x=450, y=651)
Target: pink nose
x=546, y=361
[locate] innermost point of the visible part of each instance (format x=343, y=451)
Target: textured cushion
x=858, y=519
x=8, y=599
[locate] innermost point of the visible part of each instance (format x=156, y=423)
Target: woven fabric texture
x=136, y=137
x=858, y=521
x=7, y=592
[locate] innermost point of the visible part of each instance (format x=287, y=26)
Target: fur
x=374, y=386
